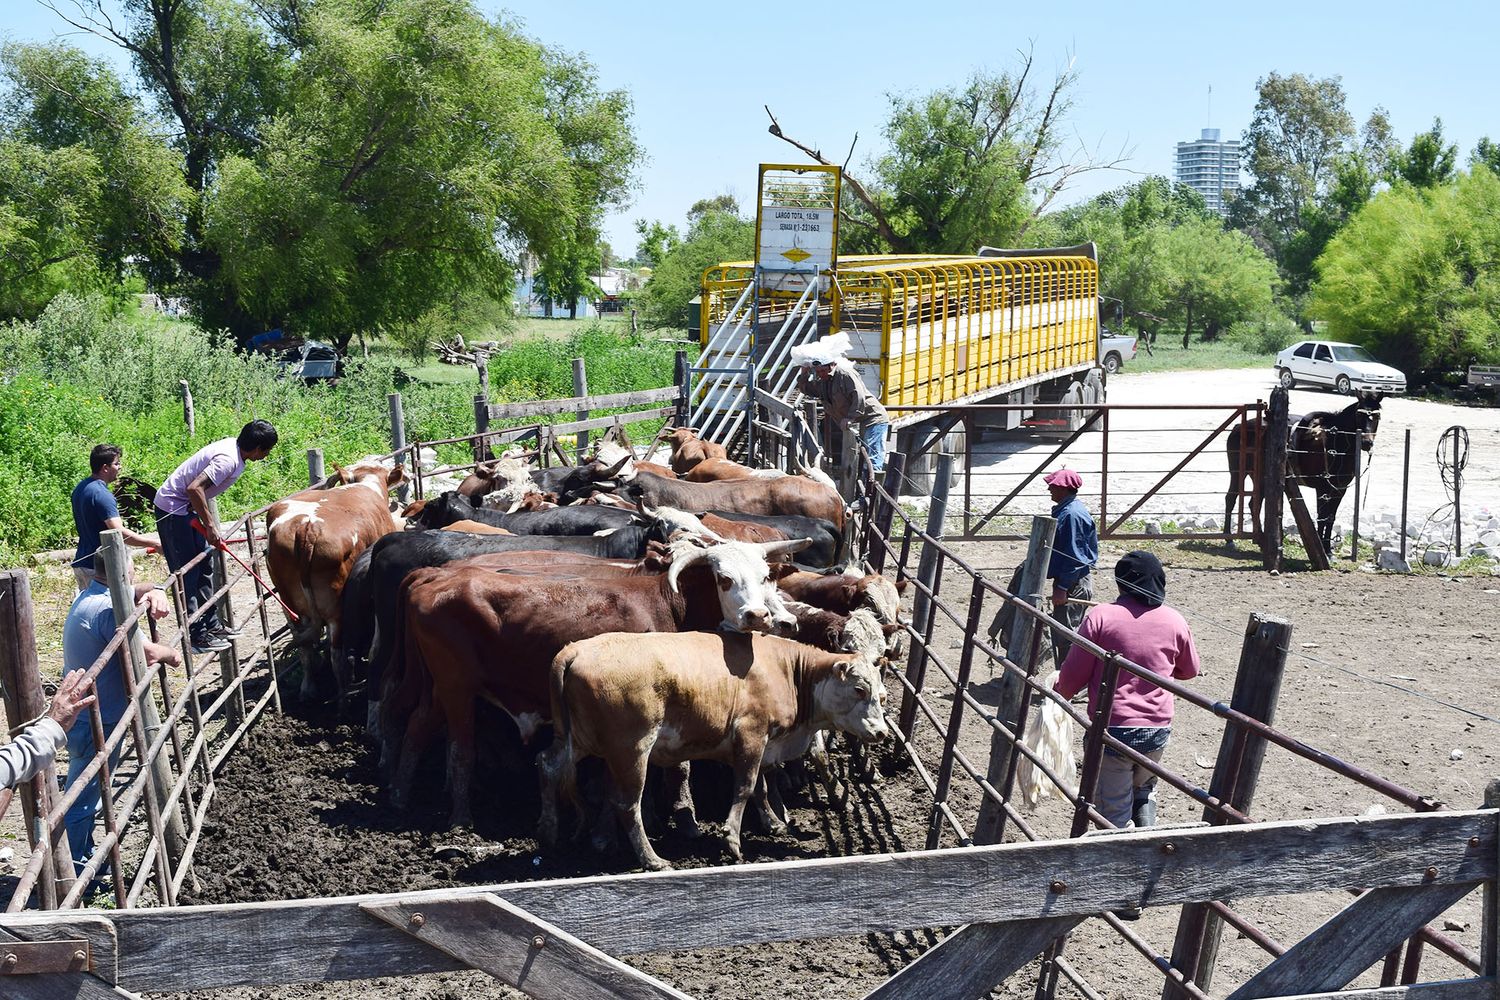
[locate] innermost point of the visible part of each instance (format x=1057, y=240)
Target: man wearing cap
x=849, y=402
x=1142, y=629
x=1075, y=549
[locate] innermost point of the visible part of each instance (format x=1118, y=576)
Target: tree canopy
x=714, y=237
x=326, y=165
x=964, y=166
x=1413, y=275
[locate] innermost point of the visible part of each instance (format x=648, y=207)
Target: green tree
x=1427, y=162
x=1211, y=277
x=656, y=241
x=351, y=165
x=567, y=275
x=1413, y=276
x=1297, y=132
x=965, y=165
x=714, y=238
x=1487, y=153
x=83, y=182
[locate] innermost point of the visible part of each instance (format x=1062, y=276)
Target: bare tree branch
x=882, y=224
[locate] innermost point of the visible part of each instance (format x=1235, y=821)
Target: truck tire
x=1112, y=362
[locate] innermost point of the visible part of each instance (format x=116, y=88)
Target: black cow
x=584, y=519
x=372, y=599
x=574, y=482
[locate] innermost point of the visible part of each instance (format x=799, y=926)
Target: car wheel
x=1285, y=377
x=1111, y=362
x=1342, y=385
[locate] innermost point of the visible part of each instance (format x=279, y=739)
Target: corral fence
x=1010, y=901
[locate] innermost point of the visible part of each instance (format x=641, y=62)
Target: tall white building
x=1210, y=167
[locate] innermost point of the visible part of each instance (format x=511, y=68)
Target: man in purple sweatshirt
x=1142, y=629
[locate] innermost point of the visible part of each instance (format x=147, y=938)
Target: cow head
x=444, y=510
x=867, y=637
x=748, y=597
x=852, y=699
x=373, y=473
x=666, y=523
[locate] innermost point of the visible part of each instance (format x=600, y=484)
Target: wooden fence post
x=314, y=466
x=1273, y=478
x=398, y=438
x=117, y=563
x=921, y=607
x=1257, y=687
x=990, y=827
x=482, y=367
x=682, y=378
x=187, y=407
x=481, y=425
x=21, y=684
x=581, y=388
x=1489, y=943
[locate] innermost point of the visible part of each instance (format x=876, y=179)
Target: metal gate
x=1148, y=471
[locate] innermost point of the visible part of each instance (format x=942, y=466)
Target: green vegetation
x=81, y=374
x=239, y=172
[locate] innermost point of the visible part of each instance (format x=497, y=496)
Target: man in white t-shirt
x=183, y=498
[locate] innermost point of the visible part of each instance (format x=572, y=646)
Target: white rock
x=1153, y=528
x=1434, y=557
x=1210, y=524
x=1456, y=755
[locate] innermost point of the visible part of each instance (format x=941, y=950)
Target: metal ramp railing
x=735, y=361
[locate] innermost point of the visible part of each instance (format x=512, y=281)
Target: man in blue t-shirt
x=87, y=630
x=1075, y=549
x=95, y=510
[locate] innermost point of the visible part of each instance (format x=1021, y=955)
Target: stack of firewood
x=456, y=352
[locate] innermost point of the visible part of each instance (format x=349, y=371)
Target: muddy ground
x=1397, y=674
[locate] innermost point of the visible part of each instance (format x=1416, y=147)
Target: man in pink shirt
x=1143, y=630
x=184, y=497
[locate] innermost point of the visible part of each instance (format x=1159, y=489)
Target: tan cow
x=688, y=449
x=747, y=701
x=313, y=538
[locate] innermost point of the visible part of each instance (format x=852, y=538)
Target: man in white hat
x=846, y=400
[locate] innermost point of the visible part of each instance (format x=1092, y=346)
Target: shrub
x=1265, y=334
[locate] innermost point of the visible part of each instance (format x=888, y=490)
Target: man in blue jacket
x=1075, y=549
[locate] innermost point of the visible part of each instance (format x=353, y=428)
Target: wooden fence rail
x=1024, y=894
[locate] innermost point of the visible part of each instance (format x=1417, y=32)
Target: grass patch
x=1200, y=355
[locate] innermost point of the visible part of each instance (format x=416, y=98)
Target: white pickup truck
x=1115, y=349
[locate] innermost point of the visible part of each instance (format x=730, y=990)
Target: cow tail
x=562, y=723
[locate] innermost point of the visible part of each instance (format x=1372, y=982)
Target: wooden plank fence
x=1025, y=894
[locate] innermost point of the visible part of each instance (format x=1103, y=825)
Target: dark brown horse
x=1322, y=452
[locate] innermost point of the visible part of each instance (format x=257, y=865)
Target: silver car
x=1348, y=368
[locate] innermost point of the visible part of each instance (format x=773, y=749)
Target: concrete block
x=1390, y=559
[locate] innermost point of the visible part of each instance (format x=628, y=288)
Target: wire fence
x=950, y=710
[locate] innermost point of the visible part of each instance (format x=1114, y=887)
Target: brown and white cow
x=472, y=633
x=843, y=592
x=745, y=700
x=313, y=538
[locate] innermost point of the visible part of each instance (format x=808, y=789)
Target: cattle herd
x=643, y=613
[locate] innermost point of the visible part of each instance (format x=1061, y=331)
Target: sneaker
x=224, y=632
x=208, y=644
x=1128, y=913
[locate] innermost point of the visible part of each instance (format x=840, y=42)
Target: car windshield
x=1348, y=352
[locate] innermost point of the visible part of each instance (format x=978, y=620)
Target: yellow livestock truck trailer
x=1000, y=326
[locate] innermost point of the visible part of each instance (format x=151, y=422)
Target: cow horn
x=610, y=473
x=775, y=550
x=683, y=556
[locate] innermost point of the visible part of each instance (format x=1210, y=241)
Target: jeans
x=874, y=439
x=179, y=545
x=1126, y=792
x=1071, y=615
x=79, y=819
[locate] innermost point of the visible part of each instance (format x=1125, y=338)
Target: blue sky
x=700, y=73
